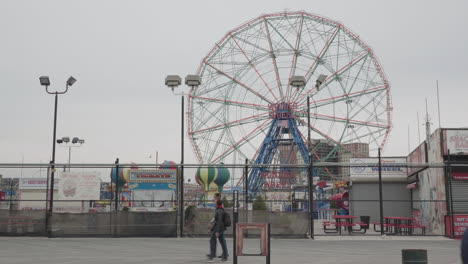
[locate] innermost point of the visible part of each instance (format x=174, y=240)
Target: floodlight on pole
x=45, y=81
x=74, y=141
x=320, y=80
x=173, y=81
x=71, y=81
x=297, y=81
x=192, y=80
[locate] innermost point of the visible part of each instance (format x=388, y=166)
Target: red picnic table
x=345, y=221
x=400, y=225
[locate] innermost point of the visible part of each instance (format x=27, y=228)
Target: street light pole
x=69, y=158
x=74, y=141
x=44, y=80
x=310, y=174
x=173, y=81
x=300, y=82
x=181, y=201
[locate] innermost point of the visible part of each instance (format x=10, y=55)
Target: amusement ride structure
x=248, y=106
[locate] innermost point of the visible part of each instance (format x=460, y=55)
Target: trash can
x=414, y=256
x=365, y=220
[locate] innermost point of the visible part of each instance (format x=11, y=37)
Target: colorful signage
x=167, y=176
x=36, y=184
x=367, y=169
x=152, y=186
x=339, y=184
x=460, y=223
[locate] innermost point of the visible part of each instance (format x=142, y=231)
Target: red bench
x=409, y=228
x=327, y=224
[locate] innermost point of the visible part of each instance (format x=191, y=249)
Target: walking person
x=217, y=232
x=464, y=247
x=190, y=220
x=217, y=196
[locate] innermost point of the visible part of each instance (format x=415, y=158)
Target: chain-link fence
x=125, y=200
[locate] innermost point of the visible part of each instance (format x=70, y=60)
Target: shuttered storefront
x=460, y=196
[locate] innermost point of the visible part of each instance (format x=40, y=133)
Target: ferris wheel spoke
x=243, y=121
x=372, y=134
x=249, y=43
x=359, y=137
x=341, y=119
x=326, y=136
x=253, y=67
x=335, y=99
x=239, y=82
x=363, y=107
x=325, y=48
x=330, y=78
x=273, y=57
x=242, y=141
x=279, y=34
x=232, y=103
x=296, y=52
x=357, y=75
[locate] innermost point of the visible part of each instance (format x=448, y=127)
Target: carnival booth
x=147, y=189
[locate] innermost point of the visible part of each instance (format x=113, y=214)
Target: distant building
x=8, y=192
x=324, y=151
x=349, y=151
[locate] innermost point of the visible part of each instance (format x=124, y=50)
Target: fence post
x=381, y=196
x=47, y=202
x=116, y=198
x=246, y=194
x=181, y=200
x=116, y=184
x=246, y=185
x=449, y=177
x=311, y=198
x=235, y=213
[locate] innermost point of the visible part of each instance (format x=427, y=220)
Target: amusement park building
x=433, y=194
x=351, y=150
x=439, y=193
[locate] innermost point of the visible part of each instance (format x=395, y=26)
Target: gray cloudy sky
x=121, y=51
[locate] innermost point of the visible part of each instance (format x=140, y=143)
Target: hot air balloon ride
x=167, y=165
x=222, y=178
x=212, y=180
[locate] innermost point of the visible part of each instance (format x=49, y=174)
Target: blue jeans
x=222, y=241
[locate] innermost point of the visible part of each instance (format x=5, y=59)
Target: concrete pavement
x=326, y=250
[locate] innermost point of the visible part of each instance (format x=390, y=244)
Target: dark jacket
x=464, y=247
x=218, y=220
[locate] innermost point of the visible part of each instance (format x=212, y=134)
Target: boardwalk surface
x=192, y=250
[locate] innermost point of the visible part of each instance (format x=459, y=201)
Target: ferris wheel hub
x=282, y=110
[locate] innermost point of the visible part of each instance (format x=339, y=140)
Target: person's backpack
x=226, y=219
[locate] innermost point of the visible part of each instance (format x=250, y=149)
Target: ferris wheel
x=246, y=97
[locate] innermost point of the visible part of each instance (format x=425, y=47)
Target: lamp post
x=173, y=81
x=45, y=81
x=66, y=140
x=300, y=82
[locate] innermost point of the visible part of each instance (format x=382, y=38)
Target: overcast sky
x=121, y=51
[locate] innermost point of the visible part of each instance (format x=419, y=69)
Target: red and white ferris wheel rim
x=247, y=69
